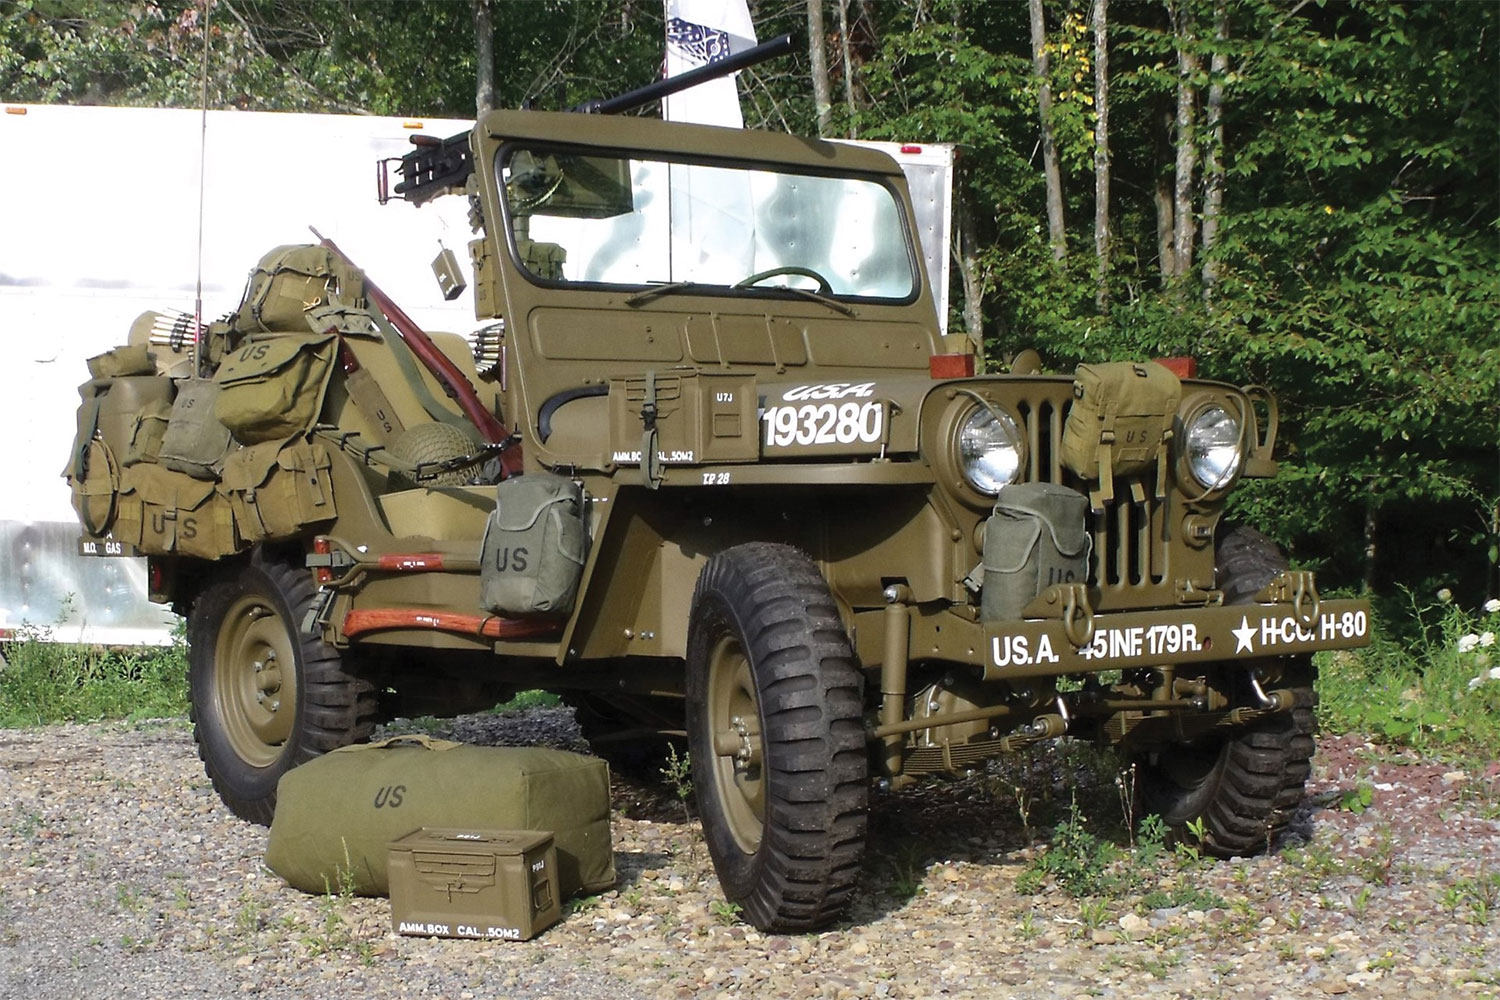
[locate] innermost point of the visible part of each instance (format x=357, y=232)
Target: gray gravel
x=121, y=874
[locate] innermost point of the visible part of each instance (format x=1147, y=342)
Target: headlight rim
x=961, y=421
x=1194, y=409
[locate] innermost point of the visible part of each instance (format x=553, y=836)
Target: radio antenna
x=197, y=350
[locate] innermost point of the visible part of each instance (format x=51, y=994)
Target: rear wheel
x=774, y=704
x=266, y=696
x=1242, y=785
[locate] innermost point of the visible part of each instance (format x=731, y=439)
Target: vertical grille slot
x=1129, y=552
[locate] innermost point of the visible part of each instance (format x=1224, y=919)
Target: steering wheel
x=824, y=288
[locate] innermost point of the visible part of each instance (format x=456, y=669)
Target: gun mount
x=440, y=166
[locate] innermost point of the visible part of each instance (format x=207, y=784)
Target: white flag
x=700, y=32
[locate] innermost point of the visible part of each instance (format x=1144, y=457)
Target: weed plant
x=1440, y=693
x=43, y=682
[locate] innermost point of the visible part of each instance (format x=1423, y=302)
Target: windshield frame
x=914, y=263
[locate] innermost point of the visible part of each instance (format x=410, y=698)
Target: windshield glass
x=641, y=222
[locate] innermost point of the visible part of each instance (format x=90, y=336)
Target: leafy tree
x=1337, y=160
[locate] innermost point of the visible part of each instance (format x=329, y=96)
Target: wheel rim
x=254, y=680
x=738, y=763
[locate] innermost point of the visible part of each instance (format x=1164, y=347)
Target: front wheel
x=774, y=705
x=1242, y=786
x=265, y=695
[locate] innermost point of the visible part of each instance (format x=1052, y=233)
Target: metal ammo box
x=464, y=883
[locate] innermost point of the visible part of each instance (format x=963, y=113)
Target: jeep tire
x=1243, y=785
x=265, y=695
x=774, y=720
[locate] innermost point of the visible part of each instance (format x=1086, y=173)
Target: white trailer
x=101, y=223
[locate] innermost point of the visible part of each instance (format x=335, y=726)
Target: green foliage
x=412, y=58
x=1358, y=251
x=1077, y=861
x=677, y=772
x=1358, y=798
x=526, y=700
x=1183, y=896
x=44, y=682
x=1150, y=839
x=725, y=913
x=1440, y=691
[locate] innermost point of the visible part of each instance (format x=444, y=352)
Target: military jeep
x=710, y=472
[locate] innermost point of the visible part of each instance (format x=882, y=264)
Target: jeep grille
x=1130, y=553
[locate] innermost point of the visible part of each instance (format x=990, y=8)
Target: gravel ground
x=120, y=873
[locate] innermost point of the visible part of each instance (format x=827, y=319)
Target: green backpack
x=289, y=282
x=1119, y=425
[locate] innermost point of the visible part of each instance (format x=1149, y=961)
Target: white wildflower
x=1445, y=595
x=1466, y=643
x=1492, y=605
x=1487, y=639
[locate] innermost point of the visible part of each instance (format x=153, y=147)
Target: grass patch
x=527, y=700
x=44, y=682
x=1438, y=692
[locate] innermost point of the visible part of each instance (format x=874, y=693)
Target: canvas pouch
x=135, y=359
x=147, y=430
x=271, y=389
x=534, y=546
x=276, y=490
x=95, y=481
x=1037, y=536
x=195, y=441
x=1119, y=425
x=163, y=512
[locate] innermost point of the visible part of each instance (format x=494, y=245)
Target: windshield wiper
x=666, y=288
x=669, y=287
x=808, y=293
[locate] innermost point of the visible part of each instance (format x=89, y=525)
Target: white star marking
x=1243, y=635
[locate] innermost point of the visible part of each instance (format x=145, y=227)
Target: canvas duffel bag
x=337, y=815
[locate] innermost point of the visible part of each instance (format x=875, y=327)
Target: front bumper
x=1122, y=640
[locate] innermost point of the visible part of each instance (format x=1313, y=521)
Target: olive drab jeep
x=709, y=471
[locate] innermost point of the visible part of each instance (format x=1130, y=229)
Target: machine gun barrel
x=439, y=166
x=666, y=88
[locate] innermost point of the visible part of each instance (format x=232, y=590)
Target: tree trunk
x=817, y=52
x=848, y=68
x=966, y=254
x=1161, y=196
x=1186, y=138
x=1056, y=233
x=1101, y=154
x=1213, y=164
x=484, y=38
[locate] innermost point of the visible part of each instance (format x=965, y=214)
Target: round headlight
x=1213, y=445
x=989, y=450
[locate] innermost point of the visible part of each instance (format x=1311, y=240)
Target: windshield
x=641, y=222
